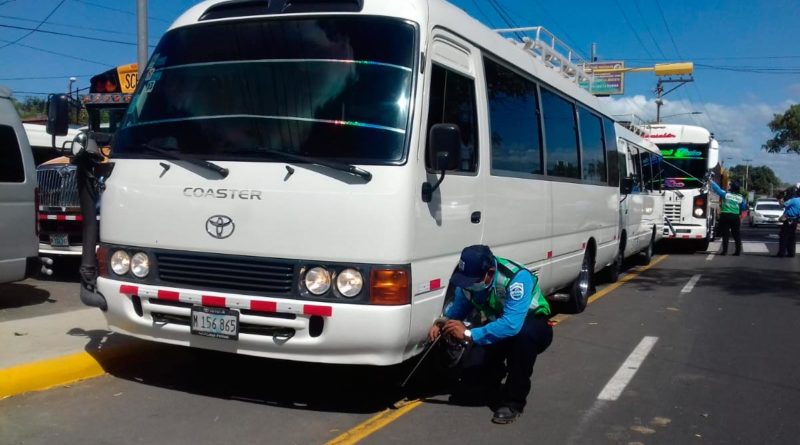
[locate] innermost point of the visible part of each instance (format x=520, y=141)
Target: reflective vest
x=493, y=307
x=732, y=203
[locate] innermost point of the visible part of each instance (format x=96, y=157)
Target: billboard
x=604, y=84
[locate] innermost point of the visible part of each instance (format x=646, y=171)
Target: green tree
x=785, y=131
x=761, y=179
x=31, y=107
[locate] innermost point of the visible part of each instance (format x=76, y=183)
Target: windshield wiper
x=222, y=171
x=341, y=166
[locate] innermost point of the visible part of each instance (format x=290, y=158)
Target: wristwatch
x=467, y=336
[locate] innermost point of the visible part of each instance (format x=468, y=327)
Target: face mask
x=480, y=286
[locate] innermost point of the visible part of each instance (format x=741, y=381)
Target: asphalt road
x=722, y=367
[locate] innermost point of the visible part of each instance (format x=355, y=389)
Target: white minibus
x=296, y=180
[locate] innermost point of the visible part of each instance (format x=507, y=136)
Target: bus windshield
x=684, y=165
x=335, y=88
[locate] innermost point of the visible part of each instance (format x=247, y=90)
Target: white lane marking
x=690, y=285
x=710, y=257
x=625, y=373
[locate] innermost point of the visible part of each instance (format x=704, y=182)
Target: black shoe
x=737, y=254
x=505, y=415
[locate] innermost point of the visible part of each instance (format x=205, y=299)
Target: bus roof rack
x=544, y=45
x=632, y=122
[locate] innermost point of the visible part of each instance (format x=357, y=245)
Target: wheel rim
x=583, y=279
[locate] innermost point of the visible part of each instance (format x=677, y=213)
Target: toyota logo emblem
x=220, y=226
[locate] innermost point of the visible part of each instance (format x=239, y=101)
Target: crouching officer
x=509, y=328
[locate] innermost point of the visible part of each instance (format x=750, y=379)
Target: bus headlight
x=698, y=212
x=349, y=283
x=140, y=265
x=318, y=280
x=120, y=262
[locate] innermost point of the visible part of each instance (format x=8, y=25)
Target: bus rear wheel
x=581, y=289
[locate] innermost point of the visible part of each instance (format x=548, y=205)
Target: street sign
x=604, y=84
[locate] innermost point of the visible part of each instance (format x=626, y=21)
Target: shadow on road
x=64, y=270
x=21, y=295
x=304, y=386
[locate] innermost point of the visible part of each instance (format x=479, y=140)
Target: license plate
x=215, y=322
x=59, y=240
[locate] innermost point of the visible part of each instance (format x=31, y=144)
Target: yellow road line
x=380, y=420
x=373, y=424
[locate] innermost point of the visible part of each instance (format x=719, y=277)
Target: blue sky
x=746, y=53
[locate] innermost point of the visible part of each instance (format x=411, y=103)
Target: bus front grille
x=248, y=275
x=673, y=212
x=58, y=187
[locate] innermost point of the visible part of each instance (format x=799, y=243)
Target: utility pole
x=69, y=94
x=594, y=52
x=141, y=32
x=747, y=173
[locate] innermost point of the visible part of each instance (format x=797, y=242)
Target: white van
x=285, y=199
x=18, y=238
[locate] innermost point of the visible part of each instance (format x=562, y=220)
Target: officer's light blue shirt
x=507, y=325
x=722, y=194
x=792, y=208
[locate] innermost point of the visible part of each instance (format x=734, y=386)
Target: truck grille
x=226, y=272
x=58, y=187
x=673, y=212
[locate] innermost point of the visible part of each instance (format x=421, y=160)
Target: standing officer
x=791, y=215
x=503, y=299
x=730, y=221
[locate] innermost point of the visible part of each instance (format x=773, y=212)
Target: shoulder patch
x=516, y=291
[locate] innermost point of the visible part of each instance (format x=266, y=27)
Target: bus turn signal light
x=389, y=287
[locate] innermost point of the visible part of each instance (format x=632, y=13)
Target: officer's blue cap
x=475, y=261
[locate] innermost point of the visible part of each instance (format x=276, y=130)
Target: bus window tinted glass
x=336, y=88
x=453, y=102
x=11, y=167
x=514, y=121
x=561, y=136
x=594, y=158
x=610, y=138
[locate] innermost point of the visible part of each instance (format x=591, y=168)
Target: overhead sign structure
x=605, y=78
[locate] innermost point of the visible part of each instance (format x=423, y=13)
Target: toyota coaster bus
x=296, y=180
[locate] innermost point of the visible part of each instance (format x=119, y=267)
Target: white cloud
x=744, y=125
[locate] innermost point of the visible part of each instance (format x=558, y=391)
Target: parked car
x=18, y=218
x=766, y=212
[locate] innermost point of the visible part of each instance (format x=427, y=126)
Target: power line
x=752, y=69
x=123, y=11
x=481, y=11
x=67, y=25
x=8, y=79
x=633, y=30
x=37, y=26
x=59, y=54
x=669, y=32
x=647, y=28
x=76, y=36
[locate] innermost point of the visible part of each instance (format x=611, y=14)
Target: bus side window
x=452, y=101
x=614, y=160
x=561, y=136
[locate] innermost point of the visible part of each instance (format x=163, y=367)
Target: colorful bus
x=60, y=216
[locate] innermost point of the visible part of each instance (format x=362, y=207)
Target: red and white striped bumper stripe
x=62, y=217
x=259, y=305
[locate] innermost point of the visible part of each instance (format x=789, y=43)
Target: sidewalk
x=42, y=352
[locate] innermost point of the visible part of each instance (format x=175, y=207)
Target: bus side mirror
x=627, y=185
x=57, y=115
x=444, y=147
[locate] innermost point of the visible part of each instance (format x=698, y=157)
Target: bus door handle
x=475, y=217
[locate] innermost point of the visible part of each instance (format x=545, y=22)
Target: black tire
x=581, y=289
x=646, y=255
x=702, y=246
x=611, y=273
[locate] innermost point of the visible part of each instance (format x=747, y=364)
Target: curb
x=57, y=371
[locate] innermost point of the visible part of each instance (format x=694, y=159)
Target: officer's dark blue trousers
x=513, y=358
x=788, y=233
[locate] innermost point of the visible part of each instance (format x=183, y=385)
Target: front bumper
x=323, y=332
x=685, y=232
x=47, y=249
x=758, y=220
